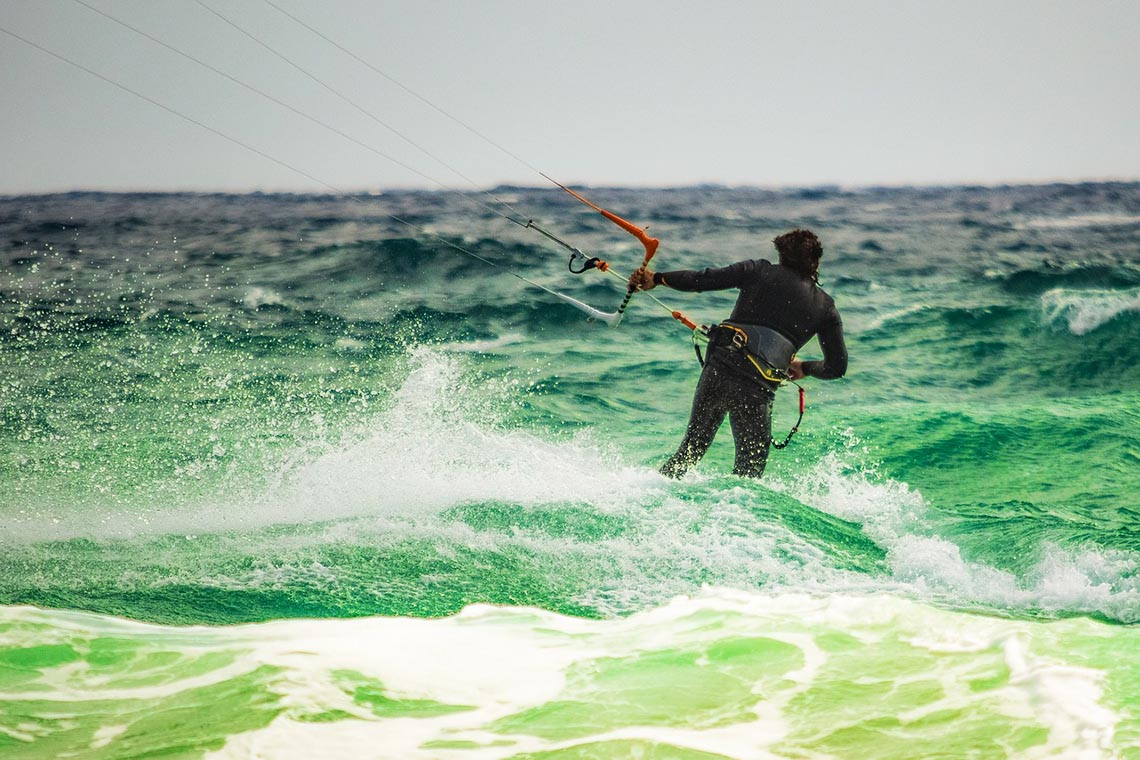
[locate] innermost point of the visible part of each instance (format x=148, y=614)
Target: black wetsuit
x=773, y=296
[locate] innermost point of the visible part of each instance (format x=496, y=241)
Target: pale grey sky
x=629, y=92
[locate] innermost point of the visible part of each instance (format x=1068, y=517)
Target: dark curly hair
x=800, y=250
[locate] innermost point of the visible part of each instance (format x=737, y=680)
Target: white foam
x=503, y=661
x=885, y=508
x=1086, y=310
x=1077, y=221
x=483, y=346
x=882, y=320
x=257, y=296
x=927, y=566
x=435, y=448
x=350, y=344
x=677, y=540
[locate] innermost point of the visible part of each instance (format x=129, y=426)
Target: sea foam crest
x=1086, y=310
x=434, y=448
x=927, y=566
x=256, y=297
x=1078, y=221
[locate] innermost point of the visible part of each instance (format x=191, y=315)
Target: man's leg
x=750, y=415
x=710, y=404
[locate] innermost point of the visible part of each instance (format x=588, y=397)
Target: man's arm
x=834, y=364
x=713, y=278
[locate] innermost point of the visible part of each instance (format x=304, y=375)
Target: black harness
x=768, y=350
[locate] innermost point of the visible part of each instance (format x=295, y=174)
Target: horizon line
x=406, y=189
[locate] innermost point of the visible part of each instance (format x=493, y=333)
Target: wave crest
x=1085, y=310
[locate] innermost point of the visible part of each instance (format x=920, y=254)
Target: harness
x=769, y=351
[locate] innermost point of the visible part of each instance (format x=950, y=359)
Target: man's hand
x=642, y=279
x=796, y=370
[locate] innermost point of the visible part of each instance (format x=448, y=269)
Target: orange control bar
x=650, y=243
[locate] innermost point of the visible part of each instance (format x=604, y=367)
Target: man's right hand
x=642, y=279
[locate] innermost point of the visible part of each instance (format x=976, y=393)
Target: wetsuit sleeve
x=732, y=276
x=834, y=349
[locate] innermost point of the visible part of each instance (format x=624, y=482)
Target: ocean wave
x=436, y=500
x=927, y=566
x=432, y=478
x=1034, y=281
x=1083, y=311
x=1078, y=221
x=721, y=674
x=880, y=321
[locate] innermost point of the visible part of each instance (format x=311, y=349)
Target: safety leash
x=796, y=427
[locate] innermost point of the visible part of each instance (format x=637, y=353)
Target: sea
x=308, y=476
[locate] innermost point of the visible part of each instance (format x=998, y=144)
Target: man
x=779, y=309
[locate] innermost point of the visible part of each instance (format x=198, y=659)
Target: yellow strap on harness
x=740, y=340
x=766, y=374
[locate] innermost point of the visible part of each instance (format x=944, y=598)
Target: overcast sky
x=629, y=92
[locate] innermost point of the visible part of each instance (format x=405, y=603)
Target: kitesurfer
x=779, y=309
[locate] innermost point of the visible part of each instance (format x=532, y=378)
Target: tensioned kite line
x=577, y=256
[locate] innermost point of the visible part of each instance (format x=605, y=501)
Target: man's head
x=800, y=250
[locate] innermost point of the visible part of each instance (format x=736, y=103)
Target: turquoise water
x=280, y=475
